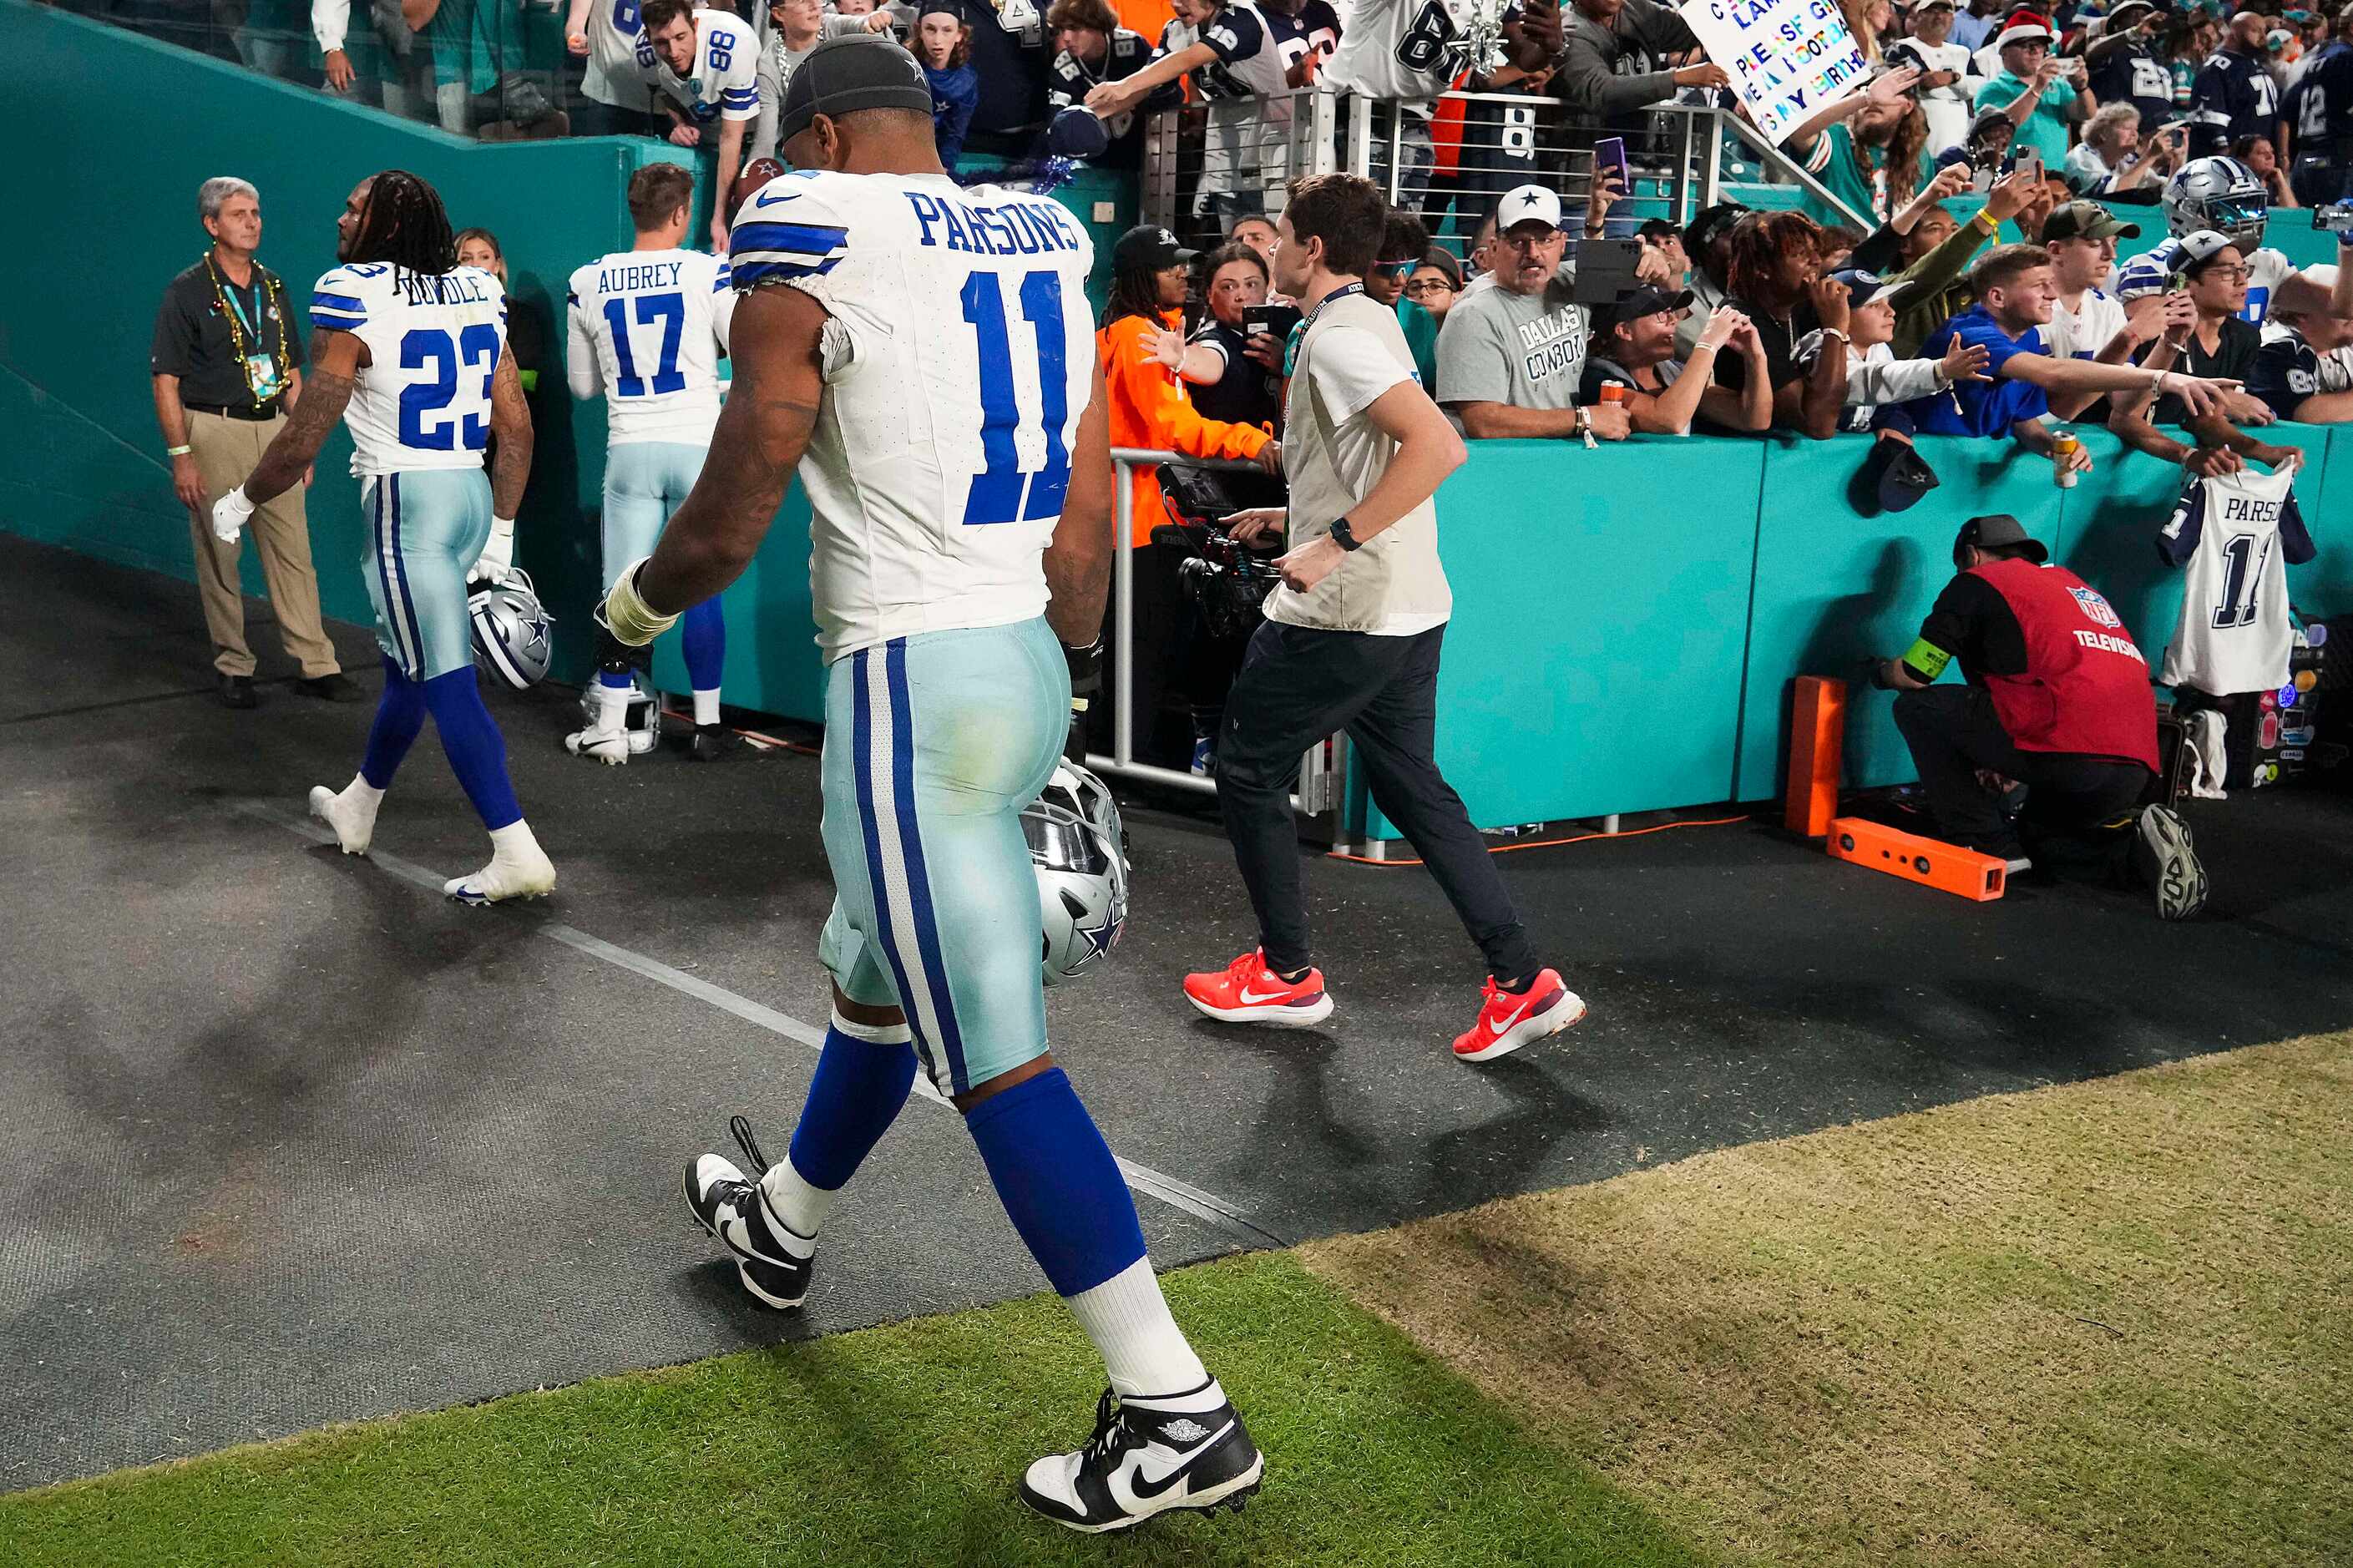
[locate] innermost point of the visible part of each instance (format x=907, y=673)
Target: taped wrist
x=627, y=615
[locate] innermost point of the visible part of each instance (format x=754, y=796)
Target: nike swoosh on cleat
x=1141, y=1488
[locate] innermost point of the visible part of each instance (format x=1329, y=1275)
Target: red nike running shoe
x=1247, y=991
x=1510, y=1019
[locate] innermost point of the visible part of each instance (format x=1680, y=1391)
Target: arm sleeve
x=1234, y=36
x=1945, y=635
x=330, y=20
x=1879, y=251
x=1587, y=80
x=1902, y=380
x=174, y=350
x=1935, y=272
x=581, y=371
x=2177, y=541
x=1472, y=366
x=1205, y=336
x=2296, y=540
x=961, y=99
x=340, y=301
x=739, y=90
x=762, y=141
x=1153, y=391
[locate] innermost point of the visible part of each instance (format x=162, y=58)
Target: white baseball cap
x=1526, y=203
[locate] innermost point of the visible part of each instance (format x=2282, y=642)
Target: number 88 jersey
x=423, y=400
x=958, y=360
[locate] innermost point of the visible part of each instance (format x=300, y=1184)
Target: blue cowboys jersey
x=2234, y=96
x=423, y=400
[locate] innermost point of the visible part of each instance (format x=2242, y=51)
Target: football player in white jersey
x=411, y=348
x=924, y=354
x=704, y=66
x=648, y=325
x=2218, y=194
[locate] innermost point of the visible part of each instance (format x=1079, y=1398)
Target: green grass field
x=2097, y=1324
x=899, y=1444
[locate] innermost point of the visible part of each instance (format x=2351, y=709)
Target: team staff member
x=2058, y=699
x=1352, y=638
x=228, y=366
x=1149, y=410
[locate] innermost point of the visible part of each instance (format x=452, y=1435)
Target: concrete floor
x=295, y=1141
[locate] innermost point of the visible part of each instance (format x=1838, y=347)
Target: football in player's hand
x=757, y=173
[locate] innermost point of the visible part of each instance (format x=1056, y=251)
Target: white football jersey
x=2151, y=270
x=647, y=329
x=423, y=400
x=725, y=83
x=957, y=361
x=1396, y=49
x=612, y=76
x=2237, y=534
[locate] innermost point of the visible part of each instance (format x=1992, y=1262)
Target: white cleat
x=610, y=747
x=1148, y=1455
x=352, y=820
x=521, y=876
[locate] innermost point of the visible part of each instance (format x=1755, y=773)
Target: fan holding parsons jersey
x=411, y=348
x=648, y=325
x=921, y=350
x=2237, y=535
x=704, y=64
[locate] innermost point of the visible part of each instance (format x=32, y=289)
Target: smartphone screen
x=1610, y=152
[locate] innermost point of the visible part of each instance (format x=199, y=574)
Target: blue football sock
x=398, y=716
x=1057, y=1181
x=703, y=640
x=477, y=753
x=859, y=1088
x=617, y=680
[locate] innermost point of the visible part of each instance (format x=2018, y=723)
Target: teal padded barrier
x=1593, y=663
x=1834, y=586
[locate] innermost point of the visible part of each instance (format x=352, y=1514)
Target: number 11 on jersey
x=1003, y=493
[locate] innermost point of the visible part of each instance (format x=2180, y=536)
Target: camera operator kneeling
x=2058, y=701
x=1351, y=640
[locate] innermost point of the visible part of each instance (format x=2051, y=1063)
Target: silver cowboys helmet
x=513, y=634
x=642, y=719
x=1077, y=849
x=2220, y=194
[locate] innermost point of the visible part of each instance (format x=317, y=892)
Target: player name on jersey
x=1023, y=228
x=624, y=280
x=463, y=287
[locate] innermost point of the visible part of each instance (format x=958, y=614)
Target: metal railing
x=1319, y=792
x=1195, y=183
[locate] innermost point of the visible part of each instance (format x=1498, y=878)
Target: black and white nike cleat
x=1148, y=1455
x=713, y=744
x=731, y=1207
x=2172, y=863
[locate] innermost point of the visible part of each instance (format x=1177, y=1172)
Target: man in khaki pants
x=228, y=366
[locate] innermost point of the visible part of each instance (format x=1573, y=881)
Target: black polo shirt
x=195, y=340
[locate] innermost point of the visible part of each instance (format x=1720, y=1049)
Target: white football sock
x=800, y=1207
x=706, y=706
x=514, y=845
x=1142, y=1348
x=361, y=793
x=612, y=708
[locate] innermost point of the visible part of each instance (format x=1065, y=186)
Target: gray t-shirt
x=1523, y=350
x=777, y=64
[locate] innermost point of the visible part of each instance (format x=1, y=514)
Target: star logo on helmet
x=1101, y=937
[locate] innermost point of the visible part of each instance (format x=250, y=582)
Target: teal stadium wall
x=1629, y=620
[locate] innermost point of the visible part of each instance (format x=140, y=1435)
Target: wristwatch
x=1344, y=536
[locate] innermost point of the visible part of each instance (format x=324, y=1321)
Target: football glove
x=230, y=514
x=497, y=558
x=627, y=615
x=1086, y=685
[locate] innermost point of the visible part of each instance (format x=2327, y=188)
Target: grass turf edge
x=897, y=1444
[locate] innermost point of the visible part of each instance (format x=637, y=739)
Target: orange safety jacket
x=1149, y=409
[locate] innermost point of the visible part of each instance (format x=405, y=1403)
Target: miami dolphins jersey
x=647, y=329
x=724, y=85
x=957, y=358
x=433, y=341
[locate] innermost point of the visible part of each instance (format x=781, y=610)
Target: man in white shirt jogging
x=647, y=326
x=1352, y=639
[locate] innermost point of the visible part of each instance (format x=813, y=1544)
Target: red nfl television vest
x=2085, y=689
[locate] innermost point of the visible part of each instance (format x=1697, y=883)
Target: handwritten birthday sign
x=1785, y=58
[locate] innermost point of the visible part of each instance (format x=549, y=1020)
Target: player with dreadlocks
x=413, y=346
